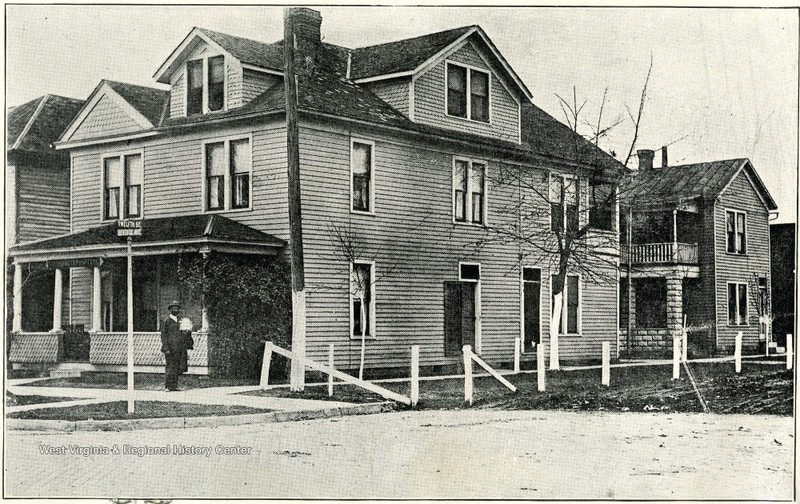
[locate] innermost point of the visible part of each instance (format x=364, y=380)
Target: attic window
x=205, y=85
x=467, y=93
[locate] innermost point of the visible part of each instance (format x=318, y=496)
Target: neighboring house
x=782, y=247
x=401, y=143
x=37, y=190
x=700, y=253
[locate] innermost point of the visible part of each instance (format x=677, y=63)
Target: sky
x=724, y=82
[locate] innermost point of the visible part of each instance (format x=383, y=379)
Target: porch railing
x=660, y=253
x=112, y=348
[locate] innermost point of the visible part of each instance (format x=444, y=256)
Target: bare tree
x=553, y=222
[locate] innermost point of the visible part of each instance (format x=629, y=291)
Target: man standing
x=173, y=345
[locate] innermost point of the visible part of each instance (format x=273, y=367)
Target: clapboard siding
x=416, y=248
x=80, y=311
x=430, y=100
x=43, y=200
x=87, y=188
x=741, y=196
x=254, y=83
x=395, y=92
x=105, y=119
x=11, y=203
x=177, y=94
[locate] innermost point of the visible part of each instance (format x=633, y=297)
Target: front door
x=459, y=316
x=532, y=286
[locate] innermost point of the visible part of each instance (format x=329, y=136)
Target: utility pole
x=297, y=381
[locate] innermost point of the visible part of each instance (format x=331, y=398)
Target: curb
x=21, y=424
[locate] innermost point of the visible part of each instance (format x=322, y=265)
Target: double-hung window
x=736, y=231
x=205, y=85
x=564, y=204
x=122, y=186
x=361, y=175
x=737, y=303
x=467, y=93
x=362, y=300
x=228, y=174
x=469, y=190
x=571, y=305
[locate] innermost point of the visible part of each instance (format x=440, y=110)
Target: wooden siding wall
x=80, y=311
x=741, y=196
x=11, y=203
x=430, y=101
x=43, y=201
x=177, y=94
x=105, y=119
x=395, y=92
x=254, y=83
x=416, y=248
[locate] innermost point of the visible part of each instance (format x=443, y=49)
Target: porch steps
x=70, y=369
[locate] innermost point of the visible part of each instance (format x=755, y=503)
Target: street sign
x=129, y=228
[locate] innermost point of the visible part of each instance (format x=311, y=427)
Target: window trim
x=351, y=297
x=371, y=143
x=470, y=69
x=468, y=203
x=121, y=155
x=579, y=211
x=478, y=304
x=728, y=304
x=744, y=242
x=564, y=300
x=204, y=58
x=228, y=180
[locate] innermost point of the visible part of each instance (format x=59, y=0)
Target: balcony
x=660, y=253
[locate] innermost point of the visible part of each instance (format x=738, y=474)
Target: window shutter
x=452, y=318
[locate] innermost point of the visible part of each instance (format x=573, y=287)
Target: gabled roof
x=691, y=181
x=144, y=105
x=410, y=56
x=247, y=51
x=402, y=55
x=166, y=229
x=35, y=125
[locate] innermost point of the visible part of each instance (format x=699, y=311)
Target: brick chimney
x=307, y=23
x=645, y=159
x=664, y=161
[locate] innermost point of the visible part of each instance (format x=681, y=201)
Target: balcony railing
x=660, y=253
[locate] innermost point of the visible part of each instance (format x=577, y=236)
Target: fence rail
x=660, y=253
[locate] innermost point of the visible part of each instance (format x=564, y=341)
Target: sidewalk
x=282, y=409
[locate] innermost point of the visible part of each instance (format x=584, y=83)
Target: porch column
x=203, y=309
x=675, y=234
x=674, y=305
x=58, y=291
x=96, y=301
x=17, y=324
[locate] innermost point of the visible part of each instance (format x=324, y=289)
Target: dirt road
x=431, y=454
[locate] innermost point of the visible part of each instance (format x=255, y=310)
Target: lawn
x=118, y=410
x=758, y=389
x=24, y=400
x=142, y=381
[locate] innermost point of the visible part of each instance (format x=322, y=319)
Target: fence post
x=789, y=352
x=737, y=352
x=467, y=373
x=265, y=365
x=676, y=357
x=414, y=375
x=685, y=343
x=540, y=366
x=606, y=378
x=330, y=375
x=517, y=347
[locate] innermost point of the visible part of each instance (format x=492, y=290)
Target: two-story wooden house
x=37, y=191
x=698, y=253
x=402, y=144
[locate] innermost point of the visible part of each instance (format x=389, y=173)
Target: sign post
x=129, y=229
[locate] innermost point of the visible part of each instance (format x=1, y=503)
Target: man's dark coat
x=172, y=341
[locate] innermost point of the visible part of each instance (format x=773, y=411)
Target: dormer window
x=205, y=86
x=467, y=93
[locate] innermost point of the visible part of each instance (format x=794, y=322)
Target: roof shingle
x=149, y=102
x=43, y=127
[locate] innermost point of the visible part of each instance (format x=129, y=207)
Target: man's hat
x=174, y=303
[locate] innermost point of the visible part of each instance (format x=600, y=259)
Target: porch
x=660, y=235
x=90, y=294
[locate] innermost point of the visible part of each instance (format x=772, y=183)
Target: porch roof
x=190, y=233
